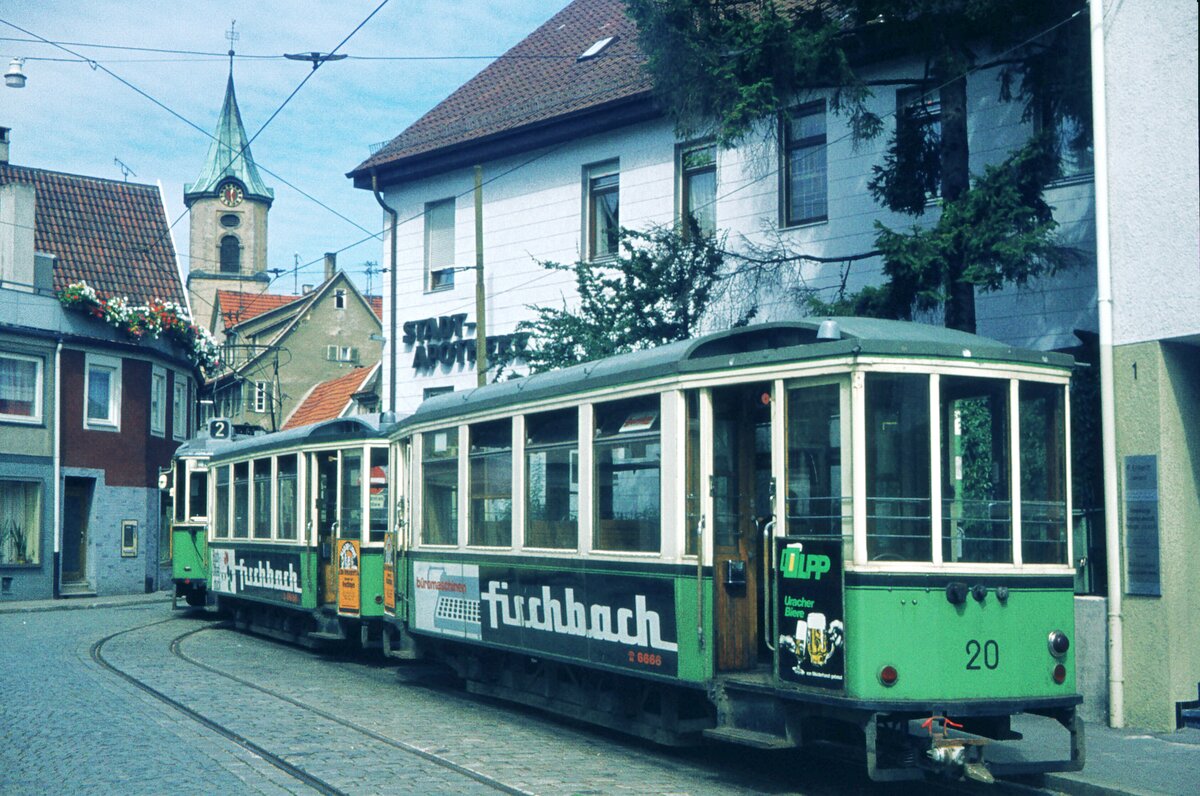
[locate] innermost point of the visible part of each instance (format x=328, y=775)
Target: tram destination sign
x=625, y=621
x=270, y=576
x=812, y=628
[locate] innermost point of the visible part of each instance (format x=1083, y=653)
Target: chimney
x=4, y=144
x=306, y=289
x=330, y=265
x=17, y=203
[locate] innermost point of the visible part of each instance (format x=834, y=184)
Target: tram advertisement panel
x=389, y=575
x=811, y=618
x=259, y=574
x=617, y=620
x=348, y=577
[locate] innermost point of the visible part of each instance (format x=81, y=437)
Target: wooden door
x=740, y=487
x=77, y=506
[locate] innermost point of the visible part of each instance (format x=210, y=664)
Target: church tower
x=229, y=204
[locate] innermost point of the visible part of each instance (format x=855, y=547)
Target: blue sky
x=75, y=118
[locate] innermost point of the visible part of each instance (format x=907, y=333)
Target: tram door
x=325, y=473
x=740, y=487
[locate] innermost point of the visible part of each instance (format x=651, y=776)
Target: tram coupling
x=956, y=756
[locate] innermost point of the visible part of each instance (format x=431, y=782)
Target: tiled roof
x=328, y=399
x=113, y=235
x=376, y=303
x=537, y=80
x=238, y=307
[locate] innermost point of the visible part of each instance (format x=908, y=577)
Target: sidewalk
x=1121, y=761
x=73, y=603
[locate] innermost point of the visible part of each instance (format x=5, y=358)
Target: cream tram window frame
x=365, y=497
x=192, y=466
x=1014, y=374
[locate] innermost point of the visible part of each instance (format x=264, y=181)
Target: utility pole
x=480, y=308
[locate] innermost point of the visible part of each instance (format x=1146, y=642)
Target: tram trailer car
x=297, y=529
x=852, y=531
x=188, y=490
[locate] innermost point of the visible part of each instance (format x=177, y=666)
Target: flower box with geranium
x=164, y=319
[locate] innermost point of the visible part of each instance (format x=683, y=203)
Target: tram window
x=814, y=460
x=1043, y=473
x=350, y=516
x=286, y=496
x=198, y=494
x=628, y=454
x=221, y=521
x=180, y=495
x=262, y=499
x=491, y=484
x=439, y=479
x=552, y=479
x=976, y=467
x=691, y=540
x=241, y=500
x=898, y=467
x=378, y=495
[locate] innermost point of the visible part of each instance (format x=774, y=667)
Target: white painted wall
x=533, y=210
x=1150, y=89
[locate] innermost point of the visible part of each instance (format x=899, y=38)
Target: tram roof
x=749, y=346
x=341, y=429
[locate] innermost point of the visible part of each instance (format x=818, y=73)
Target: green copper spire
x=228, y=157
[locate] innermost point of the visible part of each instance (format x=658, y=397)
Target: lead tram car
x=776, y=535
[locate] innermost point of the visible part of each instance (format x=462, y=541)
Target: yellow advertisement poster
x=389, y=575
x=348, y=576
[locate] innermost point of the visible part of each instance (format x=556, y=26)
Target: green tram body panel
x=639, y=619
x=189, y=553
x=972, y=651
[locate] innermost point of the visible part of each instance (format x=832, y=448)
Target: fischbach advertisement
x=810, y=610
x=616, y=620
x=270, y=576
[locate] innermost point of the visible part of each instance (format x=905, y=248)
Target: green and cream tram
x=297, y=530
x=811, y=531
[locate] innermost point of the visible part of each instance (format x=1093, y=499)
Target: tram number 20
x=986, y=653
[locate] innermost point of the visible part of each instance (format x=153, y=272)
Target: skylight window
x=596, y=49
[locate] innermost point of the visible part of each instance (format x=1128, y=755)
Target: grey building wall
x=108, y=571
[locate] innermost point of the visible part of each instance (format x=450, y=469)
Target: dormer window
x=596, y=49
x=339, y=299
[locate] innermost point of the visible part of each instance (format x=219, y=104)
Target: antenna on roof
x=126, y=172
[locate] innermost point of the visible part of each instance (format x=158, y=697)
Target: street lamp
x=316, y=57
x=14, y=77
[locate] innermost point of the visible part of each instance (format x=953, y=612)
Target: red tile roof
x=328, y=399
x=113, y=235
x=537, y=80
x=376, y=303
x=238, y=307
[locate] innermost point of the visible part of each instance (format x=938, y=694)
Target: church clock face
x=231, y=194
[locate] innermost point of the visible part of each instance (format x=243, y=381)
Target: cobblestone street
x=71, y=726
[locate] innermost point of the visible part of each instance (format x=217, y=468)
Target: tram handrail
x=700, y=581
x=768, y=557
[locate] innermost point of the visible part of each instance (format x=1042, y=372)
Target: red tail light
x=1060, y=673
x=888, y=675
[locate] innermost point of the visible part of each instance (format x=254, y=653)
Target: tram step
x=318, y=635
x=752, y=738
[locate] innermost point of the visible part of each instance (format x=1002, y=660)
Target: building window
x=129, y=540
x=230, y=400
x=102, y=393
x=805, y=174
x=20, y=522
x=698, y=188
x=628, y=462
x=343, y=353
x=339, y=299
x=603, y=210
x=20, y=388
x=231, y=255
x=262, y=396
x=919, y=123
x=439, y=244
x=158, y=401
x=179, y=408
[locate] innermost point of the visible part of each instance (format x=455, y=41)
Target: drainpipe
x=1108, y=416
x=391, y=341
x=55, y=575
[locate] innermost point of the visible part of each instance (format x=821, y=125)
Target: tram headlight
x=1059, y=673
x=1058, y=643
x=888, y=675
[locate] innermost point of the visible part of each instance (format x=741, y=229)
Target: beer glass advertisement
x=812, y=632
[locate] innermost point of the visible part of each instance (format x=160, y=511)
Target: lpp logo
x=794, y=563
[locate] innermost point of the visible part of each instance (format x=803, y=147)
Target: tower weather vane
x=233, y=36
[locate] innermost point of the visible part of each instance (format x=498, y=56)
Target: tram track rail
x=309, y=779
